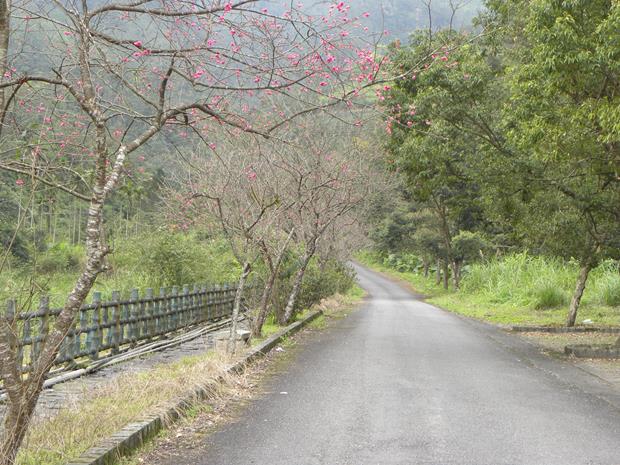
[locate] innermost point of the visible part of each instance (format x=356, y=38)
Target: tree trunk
x=261, y=316
x=5, y=35
x=586, y=267
x=23, y=395
x=446, y=275
x=438, y=273
x=456, y=274
x=299, y=278
x=425, y=266
x=259, y=321
x=232, y=339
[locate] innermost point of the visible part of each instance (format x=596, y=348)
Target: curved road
x=402, y=382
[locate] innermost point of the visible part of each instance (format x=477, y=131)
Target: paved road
x=401, y=382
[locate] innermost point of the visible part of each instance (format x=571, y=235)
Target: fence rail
x=105, y=328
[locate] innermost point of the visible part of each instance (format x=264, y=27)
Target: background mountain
x=401, y=17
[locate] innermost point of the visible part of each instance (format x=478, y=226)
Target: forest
x=473, y=146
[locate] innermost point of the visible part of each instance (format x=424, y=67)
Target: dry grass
x=185, y=439
x=74, y=430
x=337, y=306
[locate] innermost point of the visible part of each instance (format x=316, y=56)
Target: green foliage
x=402, y=262
x=159, y=259
x=19, y=248
x=394, y=231
x=323, y=280
x=515, y=136
x=60, y=258
x=469, y=246
x=165, y=258
x=606, y=283
x=520, y=289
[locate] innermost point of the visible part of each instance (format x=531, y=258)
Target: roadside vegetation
x=518, y=289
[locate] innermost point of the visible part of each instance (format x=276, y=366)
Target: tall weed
x=539, y=282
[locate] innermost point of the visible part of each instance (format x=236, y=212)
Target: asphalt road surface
x=402, y=382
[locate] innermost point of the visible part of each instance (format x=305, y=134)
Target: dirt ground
x=554, y=344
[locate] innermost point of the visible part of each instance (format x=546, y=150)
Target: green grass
x=318, y=323
x=519, y=290
x=270, y=328
x=355, y=294
x=157, y=260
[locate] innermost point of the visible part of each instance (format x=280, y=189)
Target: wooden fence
x=105, y=328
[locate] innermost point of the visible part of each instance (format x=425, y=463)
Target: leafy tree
x=528, y=116
x=427, y=142
x=563, y=115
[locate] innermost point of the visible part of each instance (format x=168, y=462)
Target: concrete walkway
x=402, y=382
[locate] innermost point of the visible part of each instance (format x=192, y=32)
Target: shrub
x=403, y=262
x=469, y=246
x=549, y=296
x=330, y=278
x=61, y=258
x=607, y=284
x=167, y=259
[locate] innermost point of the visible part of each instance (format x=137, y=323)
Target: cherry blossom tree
x=234, y=190
x=325, y=181
x=85, y=85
